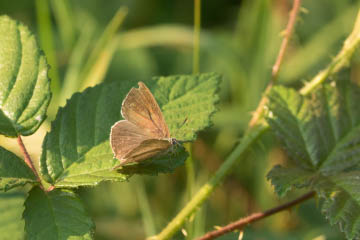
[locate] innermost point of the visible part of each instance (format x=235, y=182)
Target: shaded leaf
x=341, y=204
x=24, y=84
x=77, y=151
x=56, y=215
x=13, y=171
x=285, y=179
x=321, y=134
x=11, y=209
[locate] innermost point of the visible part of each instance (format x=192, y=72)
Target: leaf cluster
x=76, y=151
x=321, y=134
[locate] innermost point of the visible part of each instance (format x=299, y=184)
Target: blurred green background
x=87, y=42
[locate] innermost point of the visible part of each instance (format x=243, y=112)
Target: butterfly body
x=144, y=133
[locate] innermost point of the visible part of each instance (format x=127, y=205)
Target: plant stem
x=197, y=25
x=46, y=36
x=190, y=182
x=250, y=136
x=145, y=209
x=104, y=45
x=341, y=59
x=275, y=69
x=189, y=164
x=255, y=217
x=27, y=159
x=47, y=41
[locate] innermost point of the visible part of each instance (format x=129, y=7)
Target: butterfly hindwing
x=124, y=137
x=147, y=149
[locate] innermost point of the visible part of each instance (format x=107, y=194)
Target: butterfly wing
x=147, y=149
x=131, y=143
x=140, y=108
x=124, y=137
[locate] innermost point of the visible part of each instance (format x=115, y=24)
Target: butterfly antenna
x=185, y=121
x=182, y=124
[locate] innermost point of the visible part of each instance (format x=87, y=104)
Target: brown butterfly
x=144, y=133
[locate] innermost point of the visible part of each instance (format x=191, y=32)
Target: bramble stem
x=275, y=69
x=341, y=59
x=255, y=217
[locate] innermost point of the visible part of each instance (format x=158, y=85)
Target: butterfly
x=144, y=133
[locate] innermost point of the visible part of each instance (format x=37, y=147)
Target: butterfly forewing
x=144, y=133
x=141, y=108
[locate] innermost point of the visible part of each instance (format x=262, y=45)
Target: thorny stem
x=352, y=42
x=275, y=70
x=342, y=59
x=255, y=217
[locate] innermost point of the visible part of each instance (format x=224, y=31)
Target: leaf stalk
x=28, y=160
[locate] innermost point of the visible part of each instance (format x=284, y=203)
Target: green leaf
x=11, y=209
x=13, y=171
x=56, y=215
x=24, y=84
x=341, y=204
x=321, y=134
x=290, y=116
x=77, y=151
x=189, y=98
x=284, y=179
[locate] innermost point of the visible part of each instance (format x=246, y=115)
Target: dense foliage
x=65, y=73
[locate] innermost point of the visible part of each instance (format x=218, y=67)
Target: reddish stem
x=288, y=32
x=29, y=162
x=275, y=70
x=255, y=217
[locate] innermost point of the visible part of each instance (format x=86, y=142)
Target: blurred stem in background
x=278, y=63
x=197, y=28
x=64, y=18
x=98, y=62
x=145, y=208
x=47, y=44
x=88, y=70
x=341, y=59
x=189, y=164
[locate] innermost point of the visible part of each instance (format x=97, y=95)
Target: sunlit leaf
x=24, y=83
x=77, y=151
